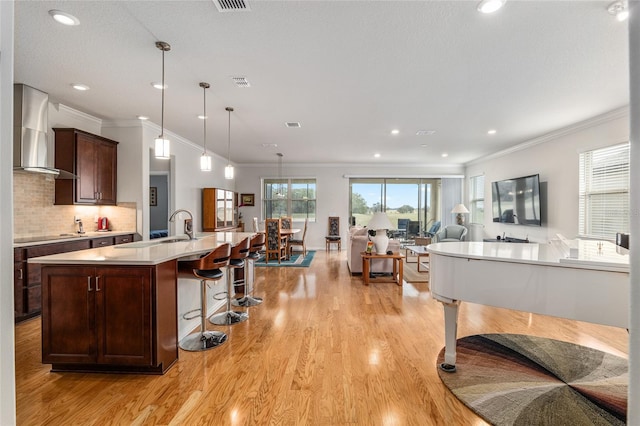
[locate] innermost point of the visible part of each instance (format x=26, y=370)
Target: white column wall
x=633, y=402
x=7, y=340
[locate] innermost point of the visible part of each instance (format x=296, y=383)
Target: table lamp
x=380, y=222
x=460, y=209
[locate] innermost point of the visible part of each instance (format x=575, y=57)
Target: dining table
x=287, y=233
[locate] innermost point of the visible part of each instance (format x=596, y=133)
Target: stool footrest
x=187, y=315
x=218, y=296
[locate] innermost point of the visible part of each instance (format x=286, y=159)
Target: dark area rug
x=297, y=260
x=512, y=379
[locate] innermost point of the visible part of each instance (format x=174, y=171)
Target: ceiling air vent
x=292, y=125
x=232, y=5
x=241, y=81
x=425, y=132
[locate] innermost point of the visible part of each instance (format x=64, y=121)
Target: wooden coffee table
x=397, y=265
x=420, y=252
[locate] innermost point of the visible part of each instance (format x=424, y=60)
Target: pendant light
x=228, y=171
x=205, y=160
x=162, y=144
x=280, y=193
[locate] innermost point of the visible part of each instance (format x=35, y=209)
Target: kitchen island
x=114, y=309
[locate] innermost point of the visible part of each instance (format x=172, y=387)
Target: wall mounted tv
x=517, y=201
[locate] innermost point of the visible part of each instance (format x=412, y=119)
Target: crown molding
x=78, y=114
x=615, y=114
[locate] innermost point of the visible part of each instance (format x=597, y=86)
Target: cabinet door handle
x=89, y=284
x=125, y=240
x=97, y=283
x=20, y=275
x=103, y=243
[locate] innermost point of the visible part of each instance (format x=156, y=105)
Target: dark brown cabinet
x=27, y=276
x=108, y=318
x=19, y=273
x=93, y=159
x=102, y=242
x=219, y=210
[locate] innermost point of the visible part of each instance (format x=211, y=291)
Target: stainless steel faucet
x=188, y=223
x=80, y=227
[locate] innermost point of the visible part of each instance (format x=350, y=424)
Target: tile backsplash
x=34, y=213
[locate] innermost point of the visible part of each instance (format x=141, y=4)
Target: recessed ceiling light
x=445, y=155
x=425, y=132
x=376, y=155
x=395, y=131
x=491, y=132
x=158, y=85
x=202, y=117
x=142, y=117
x=490, y=6
x=64, y=18
x=80, y=87
x=293, y=124
x=424, y=145
x=269, y=145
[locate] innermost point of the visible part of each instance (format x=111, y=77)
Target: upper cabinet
x=93, y=159
x=219, y=210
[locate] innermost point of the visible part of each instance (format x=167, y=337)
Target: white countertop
x=607, y=256
x=63, y=238
x=151, y=252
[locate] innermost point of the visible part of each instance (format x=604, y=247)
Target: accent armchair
x=450, y=233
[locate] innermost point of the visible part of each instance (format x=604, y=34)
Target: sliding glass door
x=412, y=205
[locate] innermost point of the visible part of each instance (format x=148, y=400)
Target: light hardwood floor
x=321, y=350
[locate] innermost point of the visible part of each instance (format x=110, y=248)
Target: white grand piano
x=582, y=280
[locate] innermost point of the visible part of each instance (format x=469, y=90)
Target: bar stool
x=206, y=268
x=247, y=300
x=239, y=253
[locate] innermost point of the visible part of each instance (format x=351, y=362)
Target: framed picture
x=247, y=200
x=153, y=196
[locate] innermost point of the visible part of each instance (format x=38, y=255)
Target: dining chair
x=298, y=242
x=286, y=222
x=333, y=234
x=276, y=243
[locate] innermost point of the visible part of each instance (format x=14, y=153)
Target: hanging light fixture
x=162, y=144
x=280, y=192
x=228, y=170
x=205, y=160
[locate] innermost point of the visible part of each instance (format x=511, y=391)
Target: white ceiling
x=348, y=71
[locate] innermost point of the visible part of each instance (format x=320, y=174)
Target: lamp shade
x=379, y=221
x=460, y=208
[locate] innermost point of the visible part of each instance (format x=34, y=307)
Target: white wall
x=555, y=158
x=332, y=189
x=7, y=354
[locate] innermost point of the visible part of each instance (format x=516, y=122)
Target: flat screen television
x=517, y=201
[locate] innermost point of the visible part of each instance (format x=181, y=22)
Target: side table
x=397, y=265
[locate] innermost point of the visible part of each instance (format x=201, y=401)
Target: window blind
x=477, y=199
x=604, y=192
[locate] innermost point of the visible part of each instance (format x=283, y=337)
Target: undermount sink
x=174, y=240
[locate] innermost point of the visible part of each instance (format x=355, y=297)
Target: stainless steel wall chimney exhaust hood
x=30, y=126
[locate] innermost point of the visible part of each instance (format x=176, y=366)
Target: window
x=410, y=203
x=604, y=192
x=290, y=197
x=477, y=199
